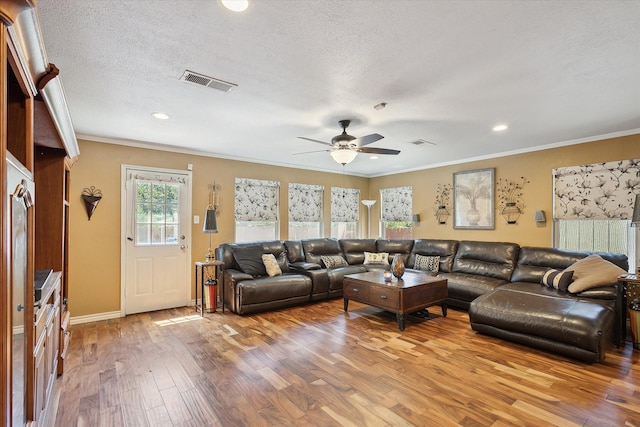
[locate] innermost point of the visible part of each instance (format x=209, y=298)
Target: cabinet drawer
x=386, y=298
x=357, y=292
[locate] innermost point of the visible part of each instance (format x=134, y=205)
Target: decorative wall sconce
x=442, y=204
x=540, y=217
x=510, y=204
x=91, y=197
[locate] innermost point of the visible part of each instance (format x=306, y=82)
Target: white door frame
x=123, y=226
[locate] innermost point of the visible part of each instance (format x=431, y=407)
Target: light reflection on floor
x=177, y=320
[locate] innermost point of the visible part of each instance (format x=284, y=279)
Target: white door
x=156, y=239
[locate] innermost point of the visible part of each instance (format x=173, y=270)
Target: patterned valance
x=344, y=204
x=396, y=204
x=596, y=191
x=305, y=202
x=256, y=200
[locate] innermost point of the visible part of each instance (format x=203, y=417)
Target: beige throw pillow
x=592, y=272
x=381, y=258
x=271, y=264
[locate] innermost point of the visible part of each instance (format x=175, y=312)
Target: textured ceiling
x=555, y=72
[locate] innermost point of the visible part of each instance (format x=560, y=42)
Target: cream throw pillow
x=381, y=258
x=592, y=272
x=271, y=264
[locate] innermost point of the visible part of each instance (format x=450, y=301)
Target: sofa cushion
x=593, y=272
x=558, y=279
x=427, y=263
x=393, y=247
x=381, y=258
x=354, y=249
x=490, y=259
x=333, y=261
x=445, y=249
x=249, y=259
x=271, y=265
x=314, y=248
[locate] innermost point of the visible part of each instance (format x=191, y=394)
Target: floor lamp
x=368, y=204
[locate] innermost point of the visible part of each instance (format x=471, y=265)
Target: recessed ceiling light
x=380, y=106
x=374, y=157
x=499, y=128
x=236, y=5
x=161, y=116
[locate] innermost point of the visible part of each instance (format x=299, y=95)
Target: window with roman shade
x=256, y=209
x=593, y=204
x=345, y=211
x=305, y=211
x=396, y=208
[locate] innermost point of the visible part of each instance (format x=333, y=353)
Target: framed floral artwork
x=473, y=199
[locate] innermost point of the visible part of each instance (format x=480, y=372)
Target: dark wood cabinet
x=37, y=149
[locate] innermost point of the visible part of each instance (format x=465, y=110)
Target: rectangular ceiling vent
x=206, y=81
x=422, y=141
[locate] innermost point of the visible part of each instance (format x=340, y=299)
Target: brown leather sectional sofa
x=499, y=283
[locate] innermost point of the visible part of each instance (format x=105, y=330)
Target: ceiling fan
x=345, y=147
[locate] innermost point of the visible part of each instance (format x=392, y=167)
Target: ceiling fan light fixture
x=344, y=156
x=236, y=5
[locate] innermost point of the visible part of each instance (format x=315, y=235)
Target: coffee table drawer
x=357, y=292
x=385, y=298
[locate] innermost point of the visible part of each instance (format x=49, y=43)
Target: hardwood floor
x=317, y=366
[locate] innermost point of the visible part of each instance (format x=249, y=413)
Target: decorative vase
x=397, y=266
x=442, y=214
x=473, y=216
x=511, y=212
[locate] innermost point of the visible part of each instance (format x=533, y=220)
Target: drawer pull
x=355, y=290
x=383, y=297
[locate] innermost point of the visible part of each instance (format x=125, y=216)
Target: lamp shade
x=343, y=156
x=635, y=219
x=210, y=223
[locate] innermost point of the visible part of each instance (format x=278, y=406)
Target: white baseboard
x=95, y=317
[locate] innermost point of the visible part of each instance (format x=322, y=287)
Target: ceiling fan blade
x=309, y=152
x=368, y=139
x=315, y=140
x=372, y=150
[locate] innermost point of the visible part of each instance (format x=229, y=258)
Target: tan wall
x=94, y=250
x=94, y=277
x=535, y=166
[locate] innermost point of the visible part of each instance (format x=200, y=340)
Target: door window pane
x=157, y=213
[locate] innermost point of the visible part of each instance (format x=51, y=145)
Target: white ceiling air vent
x=206, y=81
x=422, y=141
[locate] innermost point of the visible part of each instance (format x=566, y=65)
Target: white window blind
x=256, y=200
x=345, y=204
x=305, y=202
x=596, y=191
x=396, y=204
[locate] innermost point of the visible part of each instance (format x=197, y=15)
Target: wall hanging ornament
x=91, y=197
x=510, y=204
x=442, y=204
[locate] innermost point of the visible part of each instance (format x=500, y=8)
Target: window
x=592, y=206
x=305, y=211
x=344, y=212
x=256, y=210
x=598, y=235
x=157, y=213
x=396, y=205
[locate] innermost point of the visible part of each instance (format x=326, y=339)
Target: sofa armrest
x=303, y=266
x=236, y=275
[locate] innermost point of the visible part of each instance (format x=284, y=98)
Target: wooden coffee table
x=413, y=292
